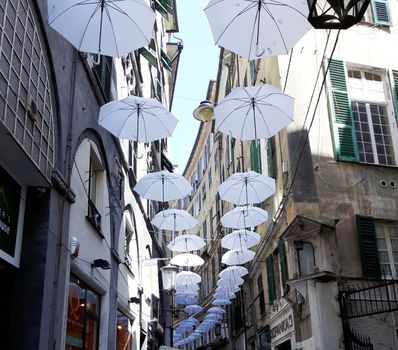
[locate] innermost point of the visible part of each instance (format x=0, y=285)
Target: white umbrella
x=107, y=27
x=220, y=302
x=241, y=217
x=174, y=220
x=230, y=289
x=193, y=309
x=240, y=239
x=215, y=317
x=137, y=118
x=187, y=259
x=247, y=188
x=223, y=282
x=163, y=186
x=233, y=271
x=224, y=295
x=257, y=28
x=216, y=310
x=186, y=243
x=184, y=299
x=187, y=277
x=254, y=112
x=237, y=257
x=187, y=288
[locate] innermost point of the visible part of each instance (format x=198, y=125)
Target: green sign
x=10, y=196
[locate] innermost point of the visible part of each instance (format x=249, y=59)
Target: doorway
x=284, y=346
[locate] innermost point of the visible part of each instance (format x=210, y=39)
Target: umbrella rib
x=113, y=30
x=125, y=122
x=278, y=3
x=280, y=110
x=86, y=2
x=158, y=118
x=87, y=25
x=245, y=120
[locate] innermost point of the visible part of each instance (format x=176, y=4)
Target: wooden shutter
x=164, y=7
x=343, y=124
x=394, y=87
x=255, y=156
x=270, y=159
x=368, y=247
x=283, y=262
x=270, y=277
x=150, y=53
x=381, y=12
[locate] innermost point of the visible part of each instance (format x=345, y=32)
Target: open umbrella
x=107, y=27
x=216, y=310
x=193, y=309
x=163, y=186
x=185, y=299
x=257, y=28
x=246, y=188
x=224, y=282
x=174, y=220
x=232, y=271
x=254, y=112
x=187, y=277
x=187, y=259
x=186, y=243
x=187, y=288
x=237, y=257
x=221, y=302
x=240, y=239
x=138, y=119
x=241, y=217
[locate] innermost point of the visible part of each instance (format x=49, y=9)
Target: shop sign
x=10, y=199
x=283, y=327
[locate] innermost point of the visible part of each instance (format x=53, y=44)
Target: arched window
x=306, y=257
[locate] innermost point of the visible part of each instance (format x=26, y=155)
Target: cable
x=288, y=69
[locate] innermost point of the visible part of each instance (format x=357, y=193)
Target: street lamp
x=204, y=112
x=169, y=273
x=336, y=14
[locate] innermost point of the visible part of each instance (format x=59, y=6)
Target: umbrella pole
x=100, y=33
x=247, y=194
x=253, y=102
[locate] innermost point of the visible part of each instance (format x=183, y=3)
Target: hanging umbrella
x=184, y=299
x=215, y=317
x=241, y=217
x=228, y=290
x=220, y=302
x=187, y=277
x=233, y=278
x=224, y=295
x=193, y=309
x=257, y=28
x=237, y=257
x=246, y=188
x=174, y=220
x=138, y=119
x=216, y=310
x=186, y=243
x=163, y=186
x=185, y=288
x=100, y=26
x=187, y=259
x=223, y=282
x=240, y=239
x=232, y=271
x=254, y=112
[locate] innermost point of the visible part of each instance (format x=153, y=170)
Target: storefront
x=282, y=330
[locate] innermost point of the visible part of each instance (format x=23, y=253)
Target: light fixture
x=336, y=14
x=169, y=273
x=204, y=112
x=134, y=300
x=101, y=263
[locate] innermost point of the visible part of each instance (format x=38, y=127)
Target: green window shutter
x=166, y=60
x=270, y=159
x=394, y=87
x=343, y=124
x=381, y=12
x=270, y=278
x=255, y=156
x=150, y=53
x=164, y=7
x=368, y=247
x=283, y=262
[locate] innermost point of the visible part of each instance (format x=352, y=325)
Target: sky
x=198, y=64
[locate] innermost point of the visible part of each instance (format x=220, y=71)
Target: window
x=306, y=258
x=123, y=332
x=261, y=295
x=277, y=273
x=83, y=317
x=255, y=156
x=104, y=75
x=378, y=13
x=363, y=126
x=93, y=214
x=387, y=246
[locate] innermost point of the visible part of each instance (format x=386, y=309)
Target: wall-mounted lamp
x=169, y=273
x=134, y=300
x=204, y=112
x=101, y=263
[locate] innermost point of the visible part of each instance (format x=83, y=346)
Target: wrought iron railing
x=355, y=341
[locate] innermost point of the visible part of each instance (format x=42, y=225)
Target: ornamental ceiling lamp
x=336, y=14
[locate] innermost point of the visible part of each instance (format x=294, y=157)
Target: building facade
x=75, y=240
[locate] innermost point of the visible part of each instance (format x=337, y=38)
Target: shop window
x=306, y=257
x=123, y=332
x=83, y=317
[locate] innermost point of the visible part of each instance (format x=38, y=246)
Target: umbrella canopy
x=138, y=119
x=187, y=277
x=237, y=257
x=240, y=239
x=187, y=259
x=184, y=299
x=232, y=271
x=246, y=188
x=187, y=288
x=100, y=26
x=186, y=243
x=193, y=309
x=257, y=28
x=216, y=310
x=224, y=282
x=163, y=186
x=174, y=220
x=254, y=112
x=241, y=217
x=224, y=295
x=220, y=302
x=228, y=290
